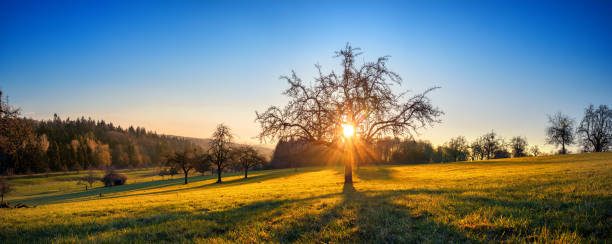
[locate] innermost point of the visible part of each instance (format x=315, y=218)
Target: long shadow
x=221, y=222
x=365, y=218
x=147, y=185
x=375, y=217
x=374, y=173
x=254, y=178
x=359, y=216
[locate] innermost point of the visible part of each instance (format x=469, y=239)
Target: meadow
x=534, y=199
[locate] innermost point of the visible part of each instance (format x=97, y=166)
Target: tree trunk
x=348, y=173
x=218, y=174
x=562, y=148
x=245, y=172
x=186, y=175
x=598, y=147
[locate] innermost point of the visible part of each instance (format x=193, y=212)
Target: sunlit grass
x=543, y=199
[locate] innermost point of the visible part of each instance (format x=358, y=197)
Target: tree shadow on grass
x=139, y=186
x=375, y=173
x=254, y=178
x=368, y=218
x=356, y=217
x=135, y=227
x=108, y=192
x=346, y=216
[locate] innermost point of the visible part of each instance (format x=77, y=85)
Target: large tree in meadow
x=347, y=110
x=560, y=131
x=220, y=150
x=595, y=129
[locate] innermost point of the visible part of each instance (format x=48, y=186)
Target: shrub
x=114, y=179
x=162, y=173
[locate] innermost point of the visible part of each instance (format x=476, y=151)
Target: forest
x=32, y=146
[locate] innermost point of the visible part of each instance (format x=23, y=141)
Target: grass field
x=542, y=199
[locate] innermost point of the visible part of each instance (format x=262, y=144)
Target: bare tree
x=477, y=149
x=184, y=160
x=490, y=144
x=220, y=148
x=360, y=97
x=457, y=148
x=247, y=157
x=595, y=129
x=560, y=131
x=519, y=146
x=535, y=150
x=90, y=179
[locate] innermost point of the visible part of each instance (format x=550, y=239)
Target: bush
x=113, y=179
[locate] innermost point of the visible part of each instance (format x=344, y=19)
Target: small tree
x=595, y=129
x=477, y=149
x=535, y=150
x=91, y=178
x=172, y=171
x=162, y=173
x=560, y=131
x=519, y=146
x=457, y=148
x=491, y=143
x=247, y=157
x=5, y=188
x=202, y=163
x=184, y=160
x=220, y=148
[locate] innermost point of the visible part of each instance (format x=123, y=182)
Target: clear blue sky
x=180, y=67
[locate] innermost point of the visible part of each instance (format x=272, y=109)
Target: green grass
x=543, y=199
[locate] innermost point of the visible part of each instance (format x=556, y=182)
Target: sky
x=182, y=67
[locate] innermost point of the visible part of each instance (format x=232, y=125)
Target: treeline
x=594, y=133
x=293, y=153
x=30, y=146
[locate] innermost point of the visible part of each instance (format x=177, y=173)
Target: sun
x=348, y=130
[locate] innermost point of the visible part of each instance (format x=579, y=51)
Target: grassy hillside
x=542, y=199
